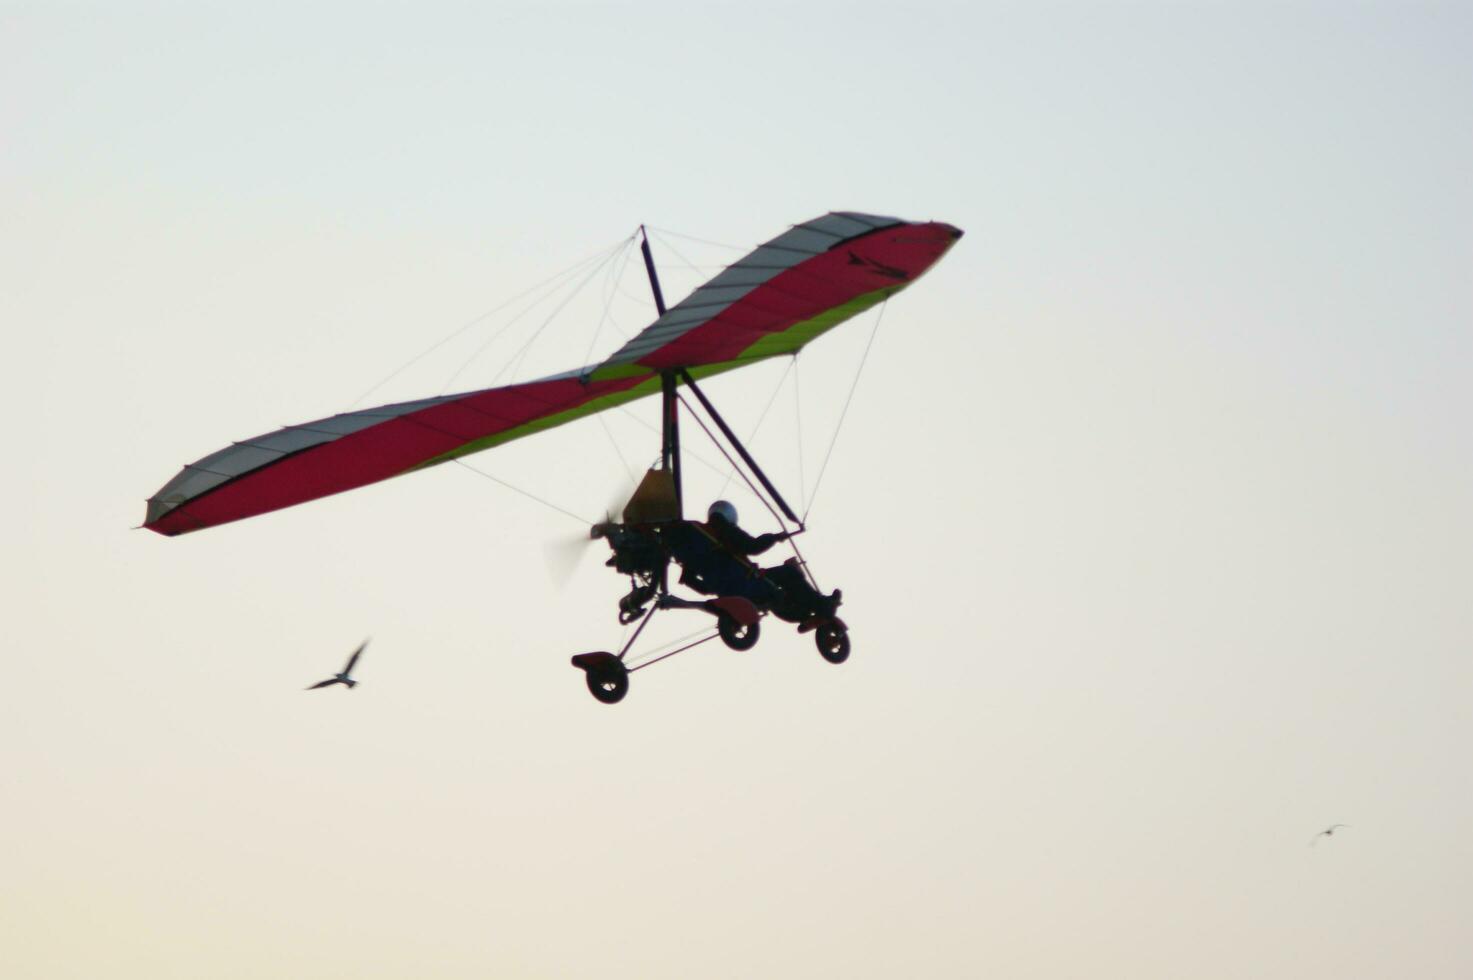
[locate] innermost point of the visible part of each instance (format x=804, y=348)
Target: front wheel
x=832, y=643
x=735, y=635
x=608, y=682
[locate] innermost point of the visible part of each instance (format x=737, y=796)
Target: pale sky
x=1151, y=510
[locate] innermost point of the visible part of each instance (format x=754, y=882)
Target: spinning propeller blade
x=563, y=555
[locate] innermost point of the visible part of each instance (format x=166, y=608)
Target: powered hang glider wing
x=775, y=300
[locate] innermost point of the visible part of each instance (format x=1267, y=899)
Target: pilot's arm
x=743, y=543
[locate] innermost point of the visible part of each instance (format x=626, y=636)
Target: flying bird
x=1327, y=832
x=343, y=677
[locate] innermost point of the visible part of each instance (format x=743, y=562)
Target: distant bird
x=1327, y=832
x=343, y=678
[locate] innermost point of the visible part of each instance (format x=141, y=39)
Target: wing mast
x=670, y=428
x=669, y=417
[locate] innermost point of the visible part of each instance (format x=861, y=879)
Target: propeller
x=563, y=555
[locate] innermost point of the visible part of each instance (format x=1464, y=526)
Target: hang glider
x=772, y=302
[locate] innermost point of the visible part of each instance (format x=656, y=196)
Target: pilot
x=719, y=570
x=721, y=524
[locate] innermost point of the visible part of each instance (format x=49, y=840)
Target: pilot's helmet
x=722, y=509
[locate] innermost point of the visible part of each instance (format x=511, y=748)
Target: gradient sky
x=1151, y=510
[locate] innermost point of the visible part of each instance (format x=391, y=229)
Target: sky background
x=1151, y=508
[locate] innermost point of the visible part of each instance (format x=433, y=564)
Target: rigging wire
x=505, y=327
x=703, y=241
x=771, y=399
x=617, y=289
x=628, y=470
x=641, y=300
x=802, y=562
x=611, y=285
x=615, y=271
x=703, y=272
x=525, y=493
x=741, y=473
x=566, y=273
x=676, y=252
x=840, y=424
x=515, y=363
x=798, y=431
x=684, y=450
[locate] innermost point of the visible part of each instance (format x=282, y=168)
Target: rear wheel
x=735, y=635
x=608, y=682
x=832, y=643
